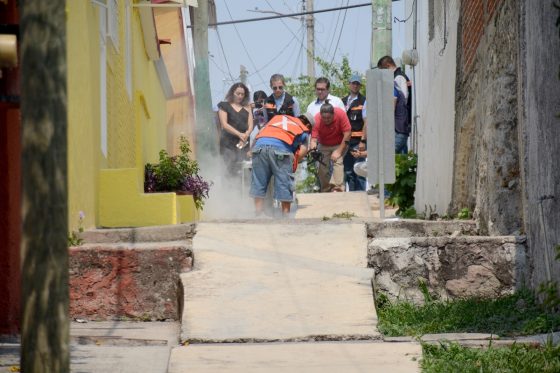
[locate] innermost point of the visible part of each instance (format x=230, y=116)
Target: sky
x=278, y=45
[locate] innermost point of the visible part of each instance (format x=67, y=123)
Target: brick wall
x=475, y=15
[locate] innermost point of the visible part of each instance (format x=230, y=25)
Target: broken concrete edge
x=291, y=221
x=308, y=338
x=418, y=228
x=128, y=282
x=446, y=240
x=164, y=233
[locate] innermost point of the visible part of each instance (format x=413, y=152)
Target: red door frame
x=10, y=183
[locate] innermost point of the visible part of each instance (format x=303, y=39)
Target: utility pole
x=381, y=30
x=205, y=130
x=243, y=74
x=310, y=22
x=44, y=244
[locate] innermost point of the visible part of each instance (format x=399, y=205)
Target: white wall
x=435, y=93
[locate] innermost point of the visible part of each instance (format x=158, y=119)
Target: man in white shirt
x=322, y=87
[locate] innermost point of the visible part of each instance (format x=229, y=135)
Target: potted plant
x=177, y=174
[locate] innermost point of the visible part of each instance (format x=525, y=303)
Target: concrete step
x=320, y=357
x=164, y=233
x=279, y=282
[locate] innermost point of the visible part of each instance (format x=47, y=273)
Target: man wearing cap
x=354, y=105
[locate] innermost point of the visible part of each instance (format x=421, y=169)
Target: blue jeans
x=401, y=143
x=354, y=181
x=267, y=162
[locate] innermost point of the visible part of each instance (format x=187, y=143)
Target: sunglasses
x=279, y=88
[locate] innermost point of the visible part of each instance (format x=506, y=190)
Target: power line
x=341, y=29
x=334, y=33
x=282, y=16
x=282, y=51
x=290, y=30
x=223, y=53
x=395, y=19
x=243, y=44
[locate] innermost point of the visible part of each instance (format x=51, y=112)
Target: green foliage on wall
x=402, y=191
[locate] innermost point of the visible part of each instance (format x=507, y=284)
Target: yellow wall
x=180, y=109
x=151, y=116
x=136, y=123
x=83, y=111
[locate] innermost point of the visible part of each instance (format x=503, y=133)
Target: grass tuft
x=517, y=314
x=518, y=358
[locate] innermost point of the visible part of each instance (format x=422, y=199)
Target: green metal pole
x=206, y=137
x=381, y=40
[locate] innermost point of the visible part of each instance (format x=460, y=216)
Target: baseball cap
x=355, y=78
x=309, y=118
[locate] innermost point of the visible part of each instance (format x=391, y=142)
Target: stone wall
x=486, y=166
x=451, y=267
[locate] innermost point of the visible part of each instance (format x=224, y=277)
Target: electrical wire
x=341, y=29
x=395, y=19
x=273, y=59
x=287, y=28
x=334, y=33
x=224, y=53
x=244, y=46
x=219, y=68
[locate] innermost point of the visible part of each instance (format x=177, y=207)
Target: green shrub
x=402, y=191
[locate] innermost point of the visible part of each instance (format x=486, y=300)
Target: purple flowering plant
x=177, y=173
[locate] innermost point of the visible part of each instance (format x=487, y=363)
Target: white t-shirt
x=315, y=106
x=401, y=85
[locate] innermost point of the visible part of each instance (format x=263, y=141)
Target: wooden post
x=44, y=247
x=310, y=22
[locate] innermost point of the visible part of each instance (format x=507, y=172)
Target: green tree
x=337, y=73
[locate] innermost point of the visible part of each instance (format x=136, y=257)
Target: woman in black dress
x=236, y=121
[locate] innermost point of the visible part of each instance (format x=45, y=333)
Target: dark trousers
x=354, y=181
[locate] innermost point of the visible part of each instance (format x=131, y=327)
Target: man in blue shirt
x=279, y=146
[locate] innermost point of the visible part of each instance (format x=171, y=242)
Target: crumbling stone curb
x=128, y=281
x=421, y=228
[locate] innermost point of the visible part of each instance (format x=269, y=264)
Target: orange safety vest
x=283, y=127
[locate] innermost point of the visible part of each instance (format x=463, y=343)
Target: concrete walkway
x=304, y=283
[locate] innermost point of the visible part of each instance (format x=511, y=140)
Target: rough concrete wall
x=486, y=165
x=540, y=131
x=435, y=102
x=452, y=267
